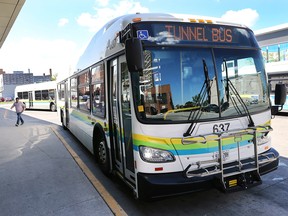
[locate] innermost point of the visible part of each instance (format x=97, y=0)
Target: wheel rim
x=102, y=152
x=53, y=107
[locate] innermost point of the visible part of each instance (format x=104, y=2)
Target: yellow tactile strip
x=110, y=201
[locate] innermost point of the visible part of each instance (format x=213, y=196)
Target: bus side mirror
x=280, y=94
x=280, y=98
x=134, y=55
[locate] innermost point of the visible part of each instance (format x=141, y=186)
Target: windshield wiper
x=205, y=91
x=230, y=86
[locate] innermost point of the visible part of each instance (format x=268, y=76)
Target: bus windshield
x=174, y=83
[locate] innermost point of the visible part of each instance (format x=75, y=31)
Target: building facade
x=274, y=44
x=8, y=82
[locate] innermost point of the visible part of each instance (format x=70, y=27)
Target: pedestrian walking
x=19, y=107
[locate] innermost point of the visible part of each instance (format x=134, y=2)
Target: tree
x=54, y=77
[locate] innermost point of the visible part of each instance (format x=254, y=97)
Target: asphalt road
x=269, y=198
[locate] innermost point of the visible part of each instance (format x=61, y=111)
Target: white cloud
x=102, y=3
x=62, y=22
x=39, y=56
x=103, y=13
x=246, y=16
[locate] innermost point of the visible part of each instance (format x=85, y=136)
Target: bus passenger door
x=30, y=99
x=121, y=118
x=126, y=123
x=67, y=99
x=116, y=126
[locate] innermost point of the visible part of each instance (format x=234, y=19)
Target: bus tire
x=62, y=121
x=52, y=107
x=102, y=155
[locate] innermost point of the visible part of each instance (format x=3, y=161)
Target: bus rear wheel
x=102, y=156
x=53, y=107
x=62, y=121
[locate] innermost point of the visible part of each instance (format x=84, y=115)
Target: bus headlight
x=153, y=155
x=263, y=140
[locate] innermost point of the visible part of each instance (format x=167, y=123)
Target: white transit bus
x=173, y=104
x=38, y=95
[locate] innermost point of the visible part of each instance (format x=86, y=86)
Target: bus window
x=84, y=78
x=98, y=74
x=98, y=103
x=98, y=91
x=25, y=95
x=74, y=92
x=37, y=95
x=45, y=95
x=20, y=95
x=51, y=94
x=84, y=91
x=84, y=98
x=62, y=92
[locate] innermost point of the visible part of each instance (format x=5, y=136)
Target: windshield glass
x=176, y=83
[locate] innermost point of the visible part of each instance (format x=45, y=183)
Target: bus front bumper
x=153, y=186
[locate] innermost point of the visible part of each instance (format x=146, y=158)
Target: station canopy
x=9, y=10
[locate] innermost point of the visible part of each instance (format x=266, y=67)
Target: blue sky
x=54, y=33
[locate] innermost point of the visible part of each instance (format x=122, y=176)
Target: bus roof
x=36, y=86
x=106, y=41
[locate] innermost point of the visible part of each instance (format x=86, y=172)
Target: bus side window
x=84, y=91
x=73, y=92
x=45, y=95
x=98, y=91
x=84, y=98
x=25, y=95
x=20, y=95
x=37, y=95
x=98, y=106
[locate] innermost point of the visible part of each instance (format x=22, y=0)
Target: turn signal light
x=137, y=19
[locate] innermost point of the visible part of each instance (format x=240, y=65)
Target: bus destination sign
x=183, y=33
x=190, y=33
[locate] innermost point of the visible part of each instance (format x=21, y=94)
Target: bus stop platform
x=38, y=176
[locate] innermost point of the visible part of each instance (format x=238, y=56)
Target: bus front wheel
x=53, y=107
x=102, y=156
x=62, y=121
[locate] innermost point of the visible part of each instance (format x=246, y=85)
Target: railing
x=240, y=166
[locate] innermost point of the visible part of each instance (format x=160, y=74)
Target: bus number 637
x=217, y=128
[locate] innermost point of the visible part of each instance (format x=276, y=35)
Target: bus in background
x=38, y=95
x=172, y=104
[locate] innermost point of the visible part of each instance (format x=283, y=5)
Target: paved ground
x=37, y=174
x=279, y=134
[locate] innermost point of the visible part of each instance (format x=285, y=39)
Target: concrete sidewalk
x=37, y=174
x=279, y=134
